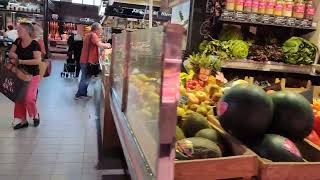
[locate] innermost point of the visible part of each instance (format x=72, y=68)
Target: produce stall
x=227, y=126
x=277, y=38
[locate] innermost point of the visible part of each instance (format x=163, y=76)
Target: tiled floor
x=63, y=147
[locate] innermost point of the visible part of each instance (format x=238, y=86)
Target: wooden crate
x=292, y=170
x=243, y=164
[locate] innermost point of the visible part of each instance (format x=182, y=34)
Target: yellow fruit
x=143, y=77
x=210, y=112
x=181, y=112
x=212, y=80
x=217, y=96
x=201, y=95
x=202, y=109
x=192, y=98
x=208, y=102
x=183, y=91
x=211, y=89
x=238, y=82
x=194, y=107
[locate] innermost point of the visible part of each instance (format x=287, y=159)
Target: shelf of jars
x=285, y=13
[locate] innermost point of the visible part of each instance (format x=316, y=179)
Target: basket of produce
x=274, y=126
x=204, y=151
x=209, y=153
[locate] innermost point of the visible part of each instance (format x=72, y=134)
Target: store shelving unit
x=292, y=25
x=269, y=66
x=266, y=20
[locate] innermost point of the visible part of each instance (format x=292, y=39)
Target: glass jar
x=288, y=8
x=255, y=6
x=278, y=8
x=270, y=7
x=262, y=7
x=310, y=10
x=239, y=5
x=230, y=5
x=247, y=6
x=299, y=9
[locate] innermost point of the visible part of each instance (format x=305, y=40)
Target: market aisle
x=63, y=147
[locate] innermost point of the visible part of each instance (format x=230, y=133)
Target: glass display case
x=119, y=49
x=144, y=72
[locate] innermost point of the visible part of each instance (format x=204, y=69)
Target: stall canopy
x=136, y=11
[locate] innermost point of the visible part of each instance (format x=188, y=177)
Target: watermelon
x=196, y=148
x=193, y=123
x=293, y=116
x=278, y=149
x=210, y=134
x=246, y=112
x=179, y=133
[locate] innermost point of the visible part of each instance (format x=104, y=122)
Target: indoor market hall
x=65, y=146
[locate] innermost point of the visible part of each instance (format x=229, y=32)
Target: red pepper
x=314, y=138
x=192, y=84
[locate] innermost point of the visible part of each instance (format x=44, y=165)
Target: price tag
x=183, y=100
x=253, y=30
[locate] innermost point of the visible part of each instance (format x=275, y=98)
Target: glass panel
x=118, y=65
x=144, y=91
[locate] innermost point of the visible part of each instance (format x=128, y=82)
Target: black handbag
x=92, y=69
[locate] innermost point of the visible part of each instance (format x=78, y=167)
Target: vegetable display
x=295, y=51
x=265, y=53
x=232, y=49
x=299, y=51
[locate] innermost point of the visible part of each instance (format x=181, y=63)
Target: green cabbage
x=239, y=49
x=299, y=51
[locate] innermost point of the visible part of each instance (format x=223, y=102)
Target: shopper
x=26, y=54
x=11, y=34
x=89, y=54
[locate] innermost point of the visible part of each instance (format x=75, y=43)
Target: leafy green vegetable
x=299, y=51
x=201, y=60
x=239, y=48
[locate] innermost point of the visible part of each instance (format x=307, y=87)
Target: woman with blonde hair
x=26, y=54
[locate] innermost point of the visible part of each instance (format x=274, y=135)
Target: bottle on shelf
x=288, y=8
x=299, y=9
x=270, y=7
x=310, y=10
x=278, y=8
x=248, y=6
x=230, y=5
x=262, y=7
x=239, y=5
x=255, y=6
